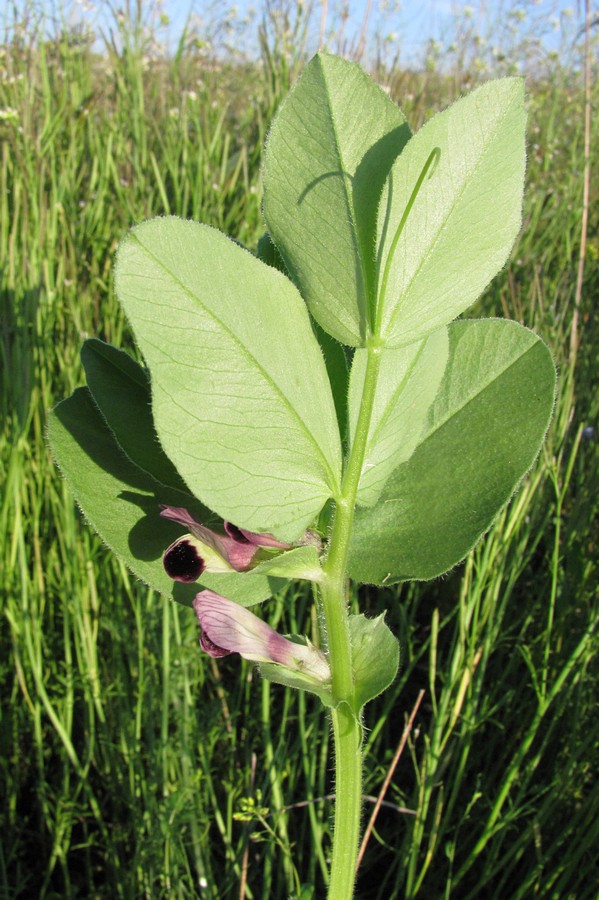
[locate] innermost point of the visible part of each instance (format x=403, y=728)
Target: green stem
x=333, y=590
x=347, y=733
x=345, y=716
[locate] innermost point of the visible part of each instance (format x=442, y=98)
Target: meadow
x=132, y=765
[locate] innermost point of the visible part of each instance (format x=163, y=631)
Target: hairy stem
x=333, y=594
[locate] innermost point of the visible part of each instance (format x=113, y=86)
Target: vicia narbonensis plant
x=315, y=411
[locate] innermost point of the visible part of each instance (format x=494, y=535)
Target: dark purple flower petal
x=222, y=551
x=259, y=539
x=211, y=649
x=236, y=533
x=183, y=562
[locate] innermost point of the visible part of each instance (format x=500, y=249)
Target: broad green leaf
x=329, y=150
x=240, y=395
x=335, y=354
x=375, y=657
x=465, y=216
x=482, y=434
x=122, y=503
x=121, y=389
x=407, y=384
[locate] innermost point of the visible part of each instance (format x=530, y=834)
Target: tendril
x=427, y=170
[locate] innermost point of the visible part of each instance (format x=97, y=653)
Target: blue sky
x=412, y=22
x=407, y=24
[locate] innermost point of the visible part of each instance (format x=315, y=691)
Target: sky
x=412, y=22
x=403, y=24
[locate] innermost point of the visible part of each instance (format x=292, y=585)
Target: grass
x=130, y=764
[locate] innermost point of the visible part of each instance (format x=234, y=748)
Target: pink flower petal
x=211, y=649
x=254, y=537
x=233, y=628
x=238, y=554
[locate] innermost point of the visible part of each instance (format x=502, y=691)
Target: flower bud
x=228, y=627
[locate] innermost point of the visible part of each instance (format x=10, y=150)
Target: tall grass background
x=130, y=764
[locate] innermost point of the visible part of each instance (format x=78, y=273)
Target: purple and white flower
x=204, y=550
x=229, y=628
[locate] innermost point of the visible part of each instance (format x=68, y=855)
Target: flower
x=204, y=550
x=229, y=628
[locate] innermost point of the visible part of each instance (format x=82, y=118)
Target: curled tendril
x=427, y=170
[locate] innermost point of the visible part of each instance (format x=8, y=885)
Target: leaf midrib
x=362, y=299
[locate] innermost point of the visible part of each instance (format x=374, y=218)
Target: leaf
x=269, y=254
x=121, y=390
x=301, y=562
x=328, y=153
x=122, y=503
x=240, y=395
x=464, y=219
x=375, y=657
x=407, y=384
x=483, y=433
x=281, y=675
x=338, y=368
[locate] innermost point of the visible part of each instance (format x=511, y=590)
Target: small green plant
x=314, y=411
